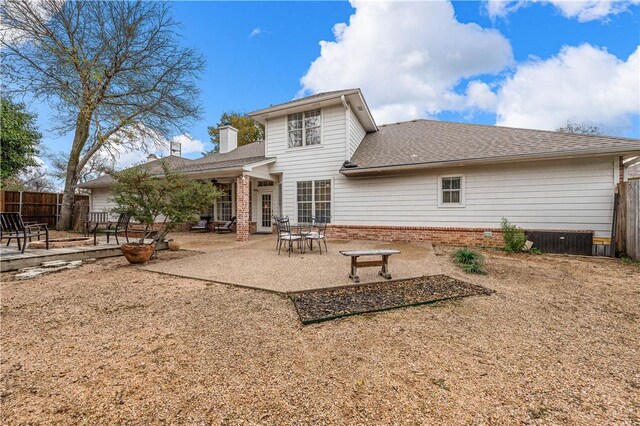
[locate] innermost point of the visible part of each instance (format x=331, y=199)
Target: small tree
x=249, y=130
x=514, y=237
x=170, y=199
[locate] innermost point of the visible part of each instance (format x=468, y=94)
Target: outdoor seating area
x=222, y=259
x=301, y=235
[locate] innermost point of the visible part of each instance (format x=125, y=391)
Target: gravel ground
x=257, y=264
x=112, y=344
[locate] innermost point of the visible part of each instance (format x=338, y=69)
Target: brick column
x=242, y=208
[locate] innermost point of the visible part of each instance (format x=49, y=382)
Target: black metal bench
x=383, y=263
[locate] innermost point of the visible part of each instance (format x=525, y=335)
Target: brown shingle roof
x=424, y=142
x=154, y=166
x=246, y=154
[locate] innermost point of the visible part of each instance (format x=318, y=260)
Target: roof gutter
x=288, y=105
x=480, y=161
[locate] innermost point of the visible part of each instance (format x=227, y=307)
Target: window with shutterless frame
x=451, y=191
x=304, y=128
x=313, y=200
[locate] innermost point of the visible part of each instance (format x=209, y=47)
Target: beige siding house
x=325, y=157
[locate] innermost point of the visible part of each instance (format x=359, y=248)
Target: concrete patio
x=256, y=263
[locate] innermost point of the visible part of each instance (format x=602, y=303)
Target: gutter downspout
x=347, y=127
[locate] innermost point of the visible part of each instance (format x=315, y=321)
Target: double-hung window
x=314, y=201
x=451, y=190
x=304, y=128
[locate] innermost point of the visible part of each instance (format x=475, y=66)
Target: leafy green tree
x=580, y=128
x=249, y=130
x=115, y=73
x=19, y=139
x=170, y=198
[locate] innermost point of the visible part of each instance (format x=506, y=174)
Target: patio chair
x=14, y=227
x=318, y=235
x=226, y=227
x=285, y=234
x=93, y=219
x=121, y=225
x=202, y=225
x=276, y=221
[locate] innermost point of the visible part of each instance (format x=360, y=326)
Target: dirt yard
x=112, y=344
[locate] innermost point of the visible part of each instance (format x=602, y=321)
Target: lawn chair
x=202, y=225
x=284, y=234
x=14, y=227
x=226, y=227
x=121, y=225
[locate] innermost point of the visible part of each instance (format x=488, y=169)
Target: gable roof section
x=154, y=166
x=241, y=156
x=429, y=143
x=353, y=98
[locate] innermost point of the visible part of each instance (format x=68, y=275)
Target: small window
x=304, y=128
x=451, y=191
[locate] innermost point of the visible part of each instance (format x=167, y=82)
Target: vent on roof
x=349, y=165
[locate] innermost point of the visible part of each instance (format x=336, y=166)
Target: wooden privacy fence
x=42, y=207
x=628, y=219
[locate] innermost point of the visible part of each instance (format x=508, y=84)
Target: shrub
x=473, y=268
x=513, y=236
x=168, y=198
x=469, y=261
x=466, y=256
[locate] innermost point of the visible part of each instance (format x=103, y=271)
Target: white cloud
x=255, y=32
x=480, y=96
x=407, y=57
x=582, y=83
x=582, y=10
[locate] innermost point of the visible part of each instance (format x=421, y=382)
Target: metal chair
x=121, y=225
x=285, y=234
x=14, y=227
x=318, y=236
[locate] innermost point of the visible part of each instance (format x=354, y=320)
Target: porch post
x=242, y=208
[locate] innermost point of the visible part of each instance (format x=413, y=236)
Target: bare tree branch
x=106, y=67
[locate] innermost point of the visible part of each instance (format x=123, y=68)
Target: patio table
x=303, y=229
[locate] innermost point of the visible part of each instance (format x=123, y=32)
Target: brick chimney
x=228, y=138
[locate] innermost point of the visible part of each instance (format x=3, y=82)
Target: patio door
x=266, y=209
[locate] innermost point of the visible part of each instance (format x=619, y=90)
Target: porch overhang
x=259, y=170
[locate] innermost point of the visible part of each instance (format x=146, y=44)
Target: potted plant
x=160, y=203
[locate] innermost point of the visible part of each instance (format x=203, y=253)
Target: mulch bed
x=327, y=304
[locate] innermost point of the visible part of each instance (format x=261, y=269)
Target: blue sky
x=513, y=61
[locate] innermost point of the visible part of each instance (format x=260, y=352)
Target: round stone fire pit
x=62, y=242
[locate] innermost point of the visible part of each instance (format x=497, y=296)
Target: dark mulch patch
x=322, y=305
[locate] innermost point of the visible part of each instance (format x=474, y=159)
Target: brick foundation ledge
x=488, y=237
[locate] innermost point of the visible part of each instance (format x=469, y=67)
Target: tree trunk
x=73, y=172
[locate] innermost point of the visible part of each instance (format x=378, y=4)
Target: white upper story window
x=304, y=128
